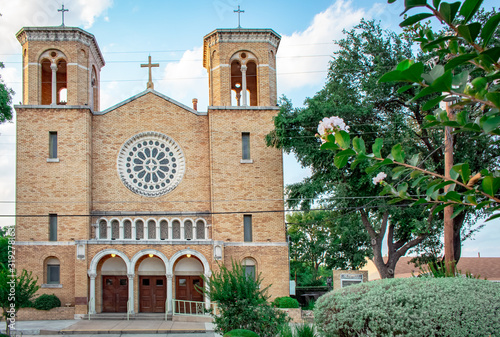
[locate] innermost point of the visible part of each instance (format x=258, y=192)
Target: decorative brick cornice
x=53, y=34
x=238, y=36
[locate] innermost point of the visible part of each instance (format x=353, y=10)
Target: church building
x=123, y=209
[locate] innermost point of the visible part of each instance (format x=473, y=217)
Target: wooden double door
x=152, y=293
x=114, y=293
x=186, y=290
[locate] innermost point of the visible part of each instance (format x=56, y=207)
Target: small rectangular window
x=247, y=228
x=53, y=274
x=52, y=144
x=245, y=145
x=52, y=227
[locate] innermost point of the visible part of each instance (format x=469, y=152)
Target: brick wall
x=32, y=314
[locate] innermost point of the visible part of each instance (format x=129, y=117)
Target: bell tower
x=61, y=66
x=241, y=65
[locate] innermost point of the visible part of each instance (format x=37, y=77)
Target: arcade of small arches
x=244, y=79
x=151, y=229
x=147, y=264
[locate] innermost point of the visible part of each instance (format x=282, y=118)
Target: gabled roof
x=133, y=98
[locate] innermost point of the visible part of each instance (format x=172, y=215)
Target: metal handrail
x=199, y=308
x=89, y=304
x=128, y=309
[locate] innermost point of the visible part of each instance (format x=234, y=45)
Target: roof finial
x=150, y=65
x=62, y=10
x=239, y=11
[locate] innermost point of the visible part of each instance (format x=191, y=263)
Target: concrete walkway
x=113, y=327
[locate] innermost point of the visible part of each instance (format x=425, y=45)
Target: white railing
x=90, y=306
x=193, y=308
x=129, y=309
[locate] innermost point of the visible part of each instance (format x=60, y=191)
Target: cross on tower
x=150, y=65
x=239, y=11
x=62, y=10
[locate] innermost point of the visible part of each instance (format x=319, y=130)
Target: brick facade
x=100, y=218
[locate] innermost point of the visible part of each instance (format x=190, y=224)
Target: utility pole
x=449, y=244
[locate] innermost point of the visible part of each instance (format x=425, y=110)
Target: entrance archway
x=152, y=284
x=114, y=285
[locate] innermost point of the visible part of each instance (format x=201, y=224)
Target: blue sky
x=172, y=33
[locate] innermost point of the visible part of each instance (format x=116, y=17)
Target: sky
x=172, y=32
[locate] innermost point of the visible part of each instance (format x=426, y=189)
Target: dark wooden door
x=114, y=293
x=152, y=293
x=186, y=289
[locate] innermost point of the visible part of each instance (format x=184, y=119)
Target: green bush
x=412, y=307
x=285, y=302
x=241, y=333
x=305, y=330
x=242, y=303
x=46, y=302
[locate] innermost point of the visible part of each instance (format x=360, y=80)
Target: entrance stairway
x=123, y=316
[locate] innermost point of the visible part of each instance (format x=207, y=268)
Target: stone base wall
x=32, y=314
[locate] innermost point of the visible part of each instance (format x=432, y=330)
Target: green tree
x=322, y=238
x=352, y=92
x=466, y=72
x=16, y=291
x=241, y=302
x=5, y=100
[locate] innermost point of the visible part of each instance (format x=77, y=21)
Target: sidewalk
x=115, y=327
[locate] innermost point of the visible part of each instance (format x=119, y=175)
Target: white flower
x=379, y=178
x=331, y=125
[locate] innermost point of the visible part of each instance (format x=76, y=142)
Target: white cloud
x=18, y=14
x=186, y=79
x=303, y=57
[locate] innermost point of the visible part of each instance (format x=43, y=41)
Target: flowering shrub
x=412, y=307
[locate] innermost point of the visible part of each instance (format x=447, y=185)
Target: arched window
x=54, y=78
x=250, y=267
x=163, y=230
x=52, y=268
x=244, y=81
x=115, y=230
x=95, y=90
x=127, y=229
x=139, y=229
x=200, y=230
x=188, y=230
x=176, y=229
x=103, y=229
x=151, y=230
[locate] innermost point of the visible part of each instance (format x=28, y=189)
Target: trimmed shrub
x=457, y=307
x=46, y=302
x=285, y=302
x=241, y=333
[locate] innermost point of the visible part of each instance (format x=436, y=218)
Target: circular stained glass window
x=151, y=164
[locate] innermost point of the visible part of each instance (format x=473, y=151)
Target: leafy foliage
x=475, y=91
x=241, y=333
x=325, y=239
x=23, y=285
x=411, y=307
x=242, y=303
x=5, y=100
x=46, y=302
x=285, y=302
x=374, y=110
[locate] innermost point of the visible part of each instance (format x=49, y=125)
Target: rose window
x=151, y=164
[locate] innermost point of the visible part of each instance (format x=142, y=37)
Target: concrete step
x=123, y=316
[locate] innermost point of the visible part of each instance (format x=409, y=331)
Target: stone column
x=169, y=292
x=92, y=292
x=207, y=300
x=131, y=291
x=53, y=67
x=158, y=230
x=243, y=85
